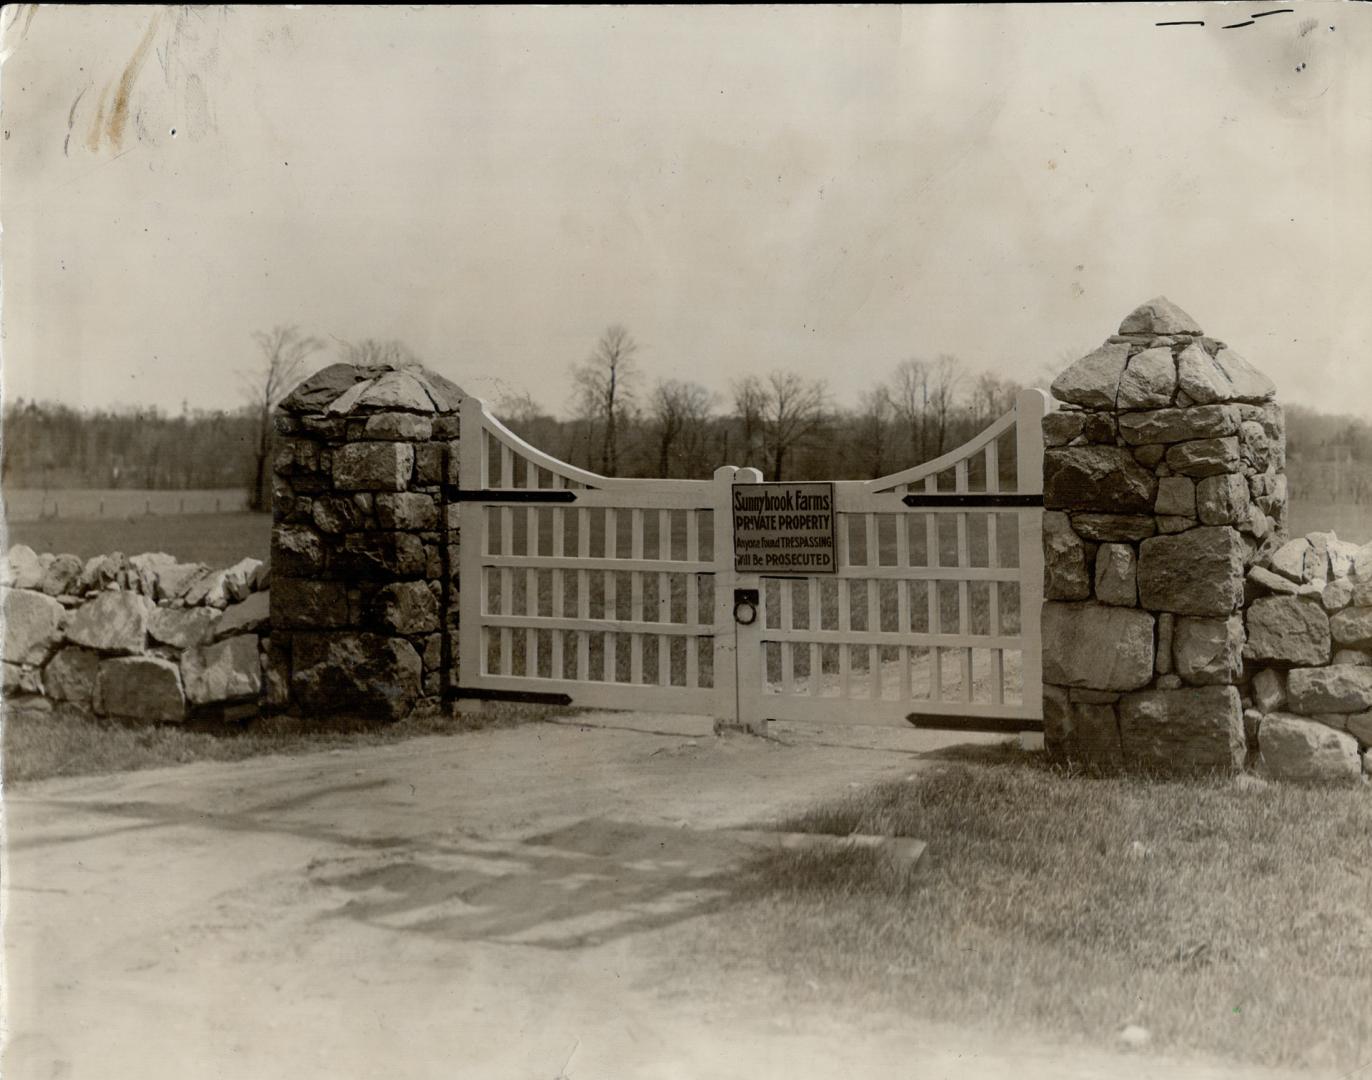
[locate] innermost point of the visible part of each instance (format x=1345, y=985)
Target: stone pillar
x=363, y=602
x=1163, y=485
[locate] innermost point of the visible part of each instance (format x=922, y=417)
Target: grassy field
x=38, y=746
x=30, y=504
x=217, y=539
x=1224, y=920
x=1350, y=520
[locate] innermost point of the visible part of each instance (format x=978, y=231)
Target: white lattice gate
x=620, y=593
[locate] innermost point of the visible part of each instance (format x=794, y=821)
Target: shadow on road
x=583, y=885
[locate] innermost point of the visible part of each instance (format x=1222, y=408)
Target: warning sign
x=784, y=529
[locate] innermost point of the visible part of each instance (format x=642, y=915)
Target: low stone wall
x=1309, y=650
x=141, y=638
x=1163, y=485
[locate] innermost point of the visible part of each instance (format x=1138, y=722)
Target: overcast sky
x=828, y=190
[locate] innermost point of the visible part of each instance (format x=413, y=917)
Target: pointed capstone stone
x=1149, y=380
x=1159, y=316
x=1093, y=381
x=1224, y=377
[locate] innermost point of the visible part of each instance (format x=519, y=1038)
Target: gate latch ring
x=745, y=606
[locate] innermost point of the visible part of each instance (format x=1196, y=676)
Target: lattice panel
x=599, y=594
x=925, y=609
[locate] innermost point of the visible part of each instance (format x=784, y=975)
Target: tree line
x=619, y=423
x=783, y=423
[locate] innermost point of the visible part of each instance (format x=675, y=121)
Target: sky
x=828, y=190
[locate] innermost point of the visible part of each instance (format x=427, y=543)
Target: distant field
x=29, y=504
x=217, y=539
x=1349, y=520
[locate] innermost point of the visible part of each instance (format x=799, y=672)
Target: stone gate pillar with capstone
x=1163, y=485
x=364, y=547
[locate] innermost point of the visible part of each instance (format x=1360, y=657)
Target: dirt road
x=510, y=903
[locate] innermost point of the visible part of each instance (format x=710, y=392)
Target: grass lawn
x=217, y=539
x=1351, y=521
x=62, y=744
x=1226, y=921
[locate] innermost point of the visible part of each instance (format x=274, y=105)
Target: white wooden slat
x=664, y=535
x=559, y=597
x=873, y=554
x=874, y=671
x=964, y=605
x=787, y=622
x=919, y=639
x=736, y=663
x=531, y=521
x=636, y=530
x=888, y=573
x=1029, y=412
x=583, y=611
x=473, y=521
x=845, y=629
x=813, y=586
x=931, y=559
x=903, y=625
x=549, y=622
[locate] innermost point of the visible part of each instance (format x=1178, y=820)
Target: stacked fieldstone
x=144, y=638
x=1309, y=646
x=1163, y=484
x=364, y=571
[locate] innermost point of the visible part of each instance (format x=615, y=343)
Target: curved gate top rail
x=614, y=592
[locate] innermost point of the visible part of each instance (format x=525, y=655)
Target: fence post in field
x=1163, y=486
x=364, y=543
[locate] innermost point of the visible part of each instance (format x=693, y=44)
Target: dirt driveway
x=510, y=903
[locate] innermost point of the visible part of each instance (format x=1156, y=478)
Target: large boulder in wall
x=1194, y=729
x=359, y=674
x=1106, y=479
x=1197, y=572
x=1293, y=748
x=1096, y=647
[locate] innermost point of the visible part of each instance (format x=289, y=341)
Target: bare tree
x=680, y=412
x=373, y=353
x=909, y=395
x=750, y=398
x=285, y=355
x=873, y=429
x=944, y=378
x=792, y=410
x=605, y=387
x=992, y=397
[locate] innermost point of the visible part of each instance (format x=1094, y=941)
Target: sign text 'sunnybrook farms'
x=784, y=529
